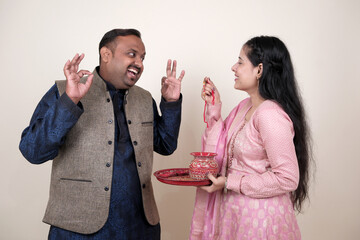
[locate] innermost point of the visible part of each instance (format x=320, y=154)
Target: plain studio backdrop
x=205, y=36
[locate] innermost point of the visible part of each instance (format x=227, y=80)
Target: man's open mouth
x=133, y=72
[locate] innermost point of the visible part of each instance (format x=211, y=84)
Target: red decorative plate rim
x=179, y=176
x=203, y=154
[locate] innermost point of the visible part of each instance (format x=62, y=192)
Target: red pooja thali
x=196, y=175
x=179, y=176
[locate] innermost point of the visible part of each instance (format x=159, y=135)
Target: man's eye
x=131, y=54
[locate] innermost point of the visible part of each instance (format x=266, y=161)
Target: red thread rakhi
x=212, y=102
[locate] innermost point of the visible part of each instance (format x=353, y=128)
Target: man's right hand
x=74, y=88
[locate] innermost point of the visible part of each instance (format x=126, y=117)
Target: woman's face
x=246, y=74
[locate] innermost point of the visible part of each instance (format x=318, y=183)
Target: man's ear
x=260, y=71
x=105, y=54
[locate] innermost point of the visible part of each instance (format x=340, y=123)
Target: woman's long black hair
x=278, y=83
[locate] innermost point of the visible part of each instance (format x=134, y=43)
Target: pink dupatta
x=205, y=219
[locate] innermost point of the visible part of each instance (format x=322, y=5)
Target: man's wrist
x=171, y=99
x=171, y=104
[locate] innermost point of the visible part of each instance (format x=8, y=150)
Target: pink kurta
x=258, y=157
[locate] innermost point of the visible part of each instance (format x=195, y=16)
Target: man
x=101, y=131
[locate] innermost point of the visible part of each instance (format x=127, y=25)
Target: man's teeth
x=133, y=71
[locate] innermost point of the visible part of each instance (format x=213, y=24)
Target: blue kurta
x=126, y=214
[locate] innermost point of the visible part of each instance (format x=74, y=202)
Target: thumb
x=211, y=177
x=89, y=81
x=163, y=80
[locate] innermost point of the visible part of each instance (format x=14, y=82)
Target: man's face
x=123, y=66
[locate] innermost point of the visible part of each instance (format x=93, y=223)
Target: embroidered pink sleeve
x=276, y=131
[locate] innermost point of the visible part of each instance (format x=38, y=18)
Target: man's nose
x=139, y=62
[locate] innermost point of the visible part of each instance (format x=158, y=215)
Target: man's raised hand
x=170, y=85
x=74, y=88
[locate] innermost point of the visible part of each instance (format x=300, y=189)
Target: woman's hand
x=209, y=91
x=217, y=184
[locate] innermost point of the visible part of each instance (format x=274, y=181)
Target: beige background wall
x=38, y=36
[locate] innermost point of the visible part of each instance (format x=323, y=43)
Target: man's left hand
x=170, y=85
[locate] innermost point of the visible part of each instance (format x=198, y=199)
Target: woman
x=263, y=151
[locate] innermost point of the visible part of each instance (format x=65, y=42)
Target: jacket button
x=143, y=186
x=106, y=189
x=135, y=143
x=139, y=164
x=108, y=99
x=110, y=121
x=129, y=121
x=109, y=142
x=108, y=164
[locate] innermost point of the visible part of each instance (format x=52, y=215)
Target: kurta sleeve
x=167, y=126
x=275, y=129
x=52, y=119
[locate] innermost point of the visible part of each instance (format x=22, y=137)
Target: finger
x=163, y=79
x=208, y=86
x=67, y=68
x=182, y=74
x=78, y=61
x=171, y=83
x=89, y=81
x=204, y=84
x=81, y=73
x=72, y=63
x=212, y=178
x=75, y=58
x=206, y=94
x=168, y=68
x=206, y=98
x=203, y=94
x=81, y=57
x=208, y=89
x=210, y=83
x=67, y=65
x=173, y=71
x=206, y=79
